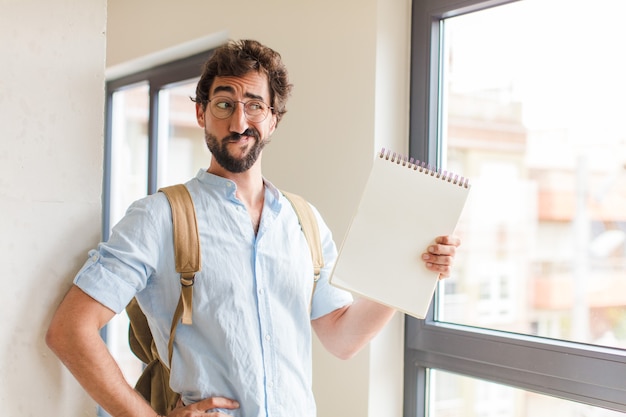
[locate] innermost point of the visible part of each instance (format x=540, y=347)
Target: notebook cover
x=403, y=208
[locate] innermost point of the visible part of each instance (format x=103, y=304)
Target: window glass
x=533, y=108
x=129, y=148
x=453, y=395
x=182, y=150
x=129, y=182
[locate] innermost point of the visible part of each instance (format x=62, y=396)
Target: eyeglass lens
x=224, y=107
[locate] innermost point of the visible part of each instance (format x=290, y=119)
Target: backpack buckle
x=187, y=281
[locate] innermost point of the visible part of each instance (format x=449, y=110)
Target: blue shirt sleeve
x=119, y=268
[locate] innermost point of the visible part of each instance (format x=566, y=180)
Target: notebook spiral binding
x=416, y=165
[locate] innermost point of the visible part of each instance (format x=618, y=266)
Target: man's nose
x=238, y=120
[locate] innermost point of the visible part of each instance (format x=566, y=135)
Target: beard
x=229, y=162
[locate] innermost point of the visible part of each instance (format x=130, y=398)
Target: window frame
x=578, y=372
x=157, y=78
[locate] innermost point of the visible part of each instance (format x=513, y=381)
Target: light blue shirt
x=251, y=334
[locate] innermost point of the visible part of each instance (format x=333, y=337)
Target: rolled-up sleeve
x=119, y=268
x=327, y=298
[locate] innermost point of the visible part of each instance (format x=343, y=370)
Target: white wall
x=51, y=100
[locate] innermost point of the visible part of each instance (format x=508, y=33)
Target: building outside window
x=525, y=98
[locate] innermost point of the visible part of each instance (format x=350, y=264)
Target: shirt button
x=268, y=337
x=261, y=291
x=270, y=384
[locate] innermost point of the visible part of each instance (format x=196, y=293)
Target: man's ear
x=200, y=114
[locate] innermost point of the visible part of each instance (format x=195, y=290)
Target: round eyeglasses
x=223, y=107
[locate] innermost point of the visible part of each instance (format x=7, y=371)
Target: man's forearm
x=95, y=369
x=345, y=331
x=74, y=336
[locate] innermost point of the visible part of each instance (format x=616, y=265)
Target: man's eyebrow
x=254, y=96
x=223, y=88
x=231, y=90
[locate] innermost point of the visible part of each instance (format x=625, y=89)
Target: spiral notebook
x=406, y=204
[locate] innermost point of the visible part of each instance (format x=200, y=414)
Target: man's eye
x=255, y=106
x=224, y=105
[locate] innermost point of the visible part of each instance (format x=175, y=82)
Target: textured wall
x=51, y=118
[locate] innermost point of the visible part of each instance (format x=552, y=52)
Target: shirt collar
x=228, y=188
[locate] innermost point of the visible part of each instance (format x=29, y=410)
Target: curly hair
x=237, y=58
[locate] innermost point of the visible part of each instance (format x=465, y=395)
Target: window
x=524, y=98
x=152, y=140
x=455, y=395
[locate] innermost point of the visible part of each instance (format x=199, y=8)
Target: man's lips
x=246, y=136
x=239, y=139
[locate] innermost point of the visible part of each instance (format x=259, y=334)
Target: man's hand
x=204, y=408
x=440, y=256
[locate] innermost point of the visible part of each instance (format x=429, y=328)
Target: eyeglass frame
x=269, y=110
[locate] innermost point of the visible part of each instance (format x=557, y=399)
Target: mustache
x=235, y=137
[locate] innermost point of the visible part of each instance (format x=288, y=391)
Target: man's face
x=236, y=141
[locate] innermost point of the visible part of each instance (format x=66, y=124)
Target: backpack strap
x=311, y=231
x=186, y=253
x=187, y=247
